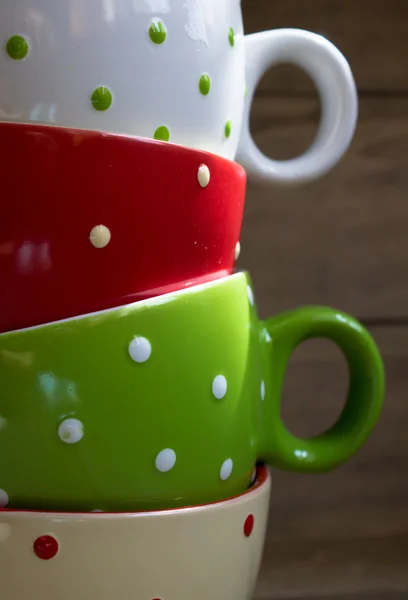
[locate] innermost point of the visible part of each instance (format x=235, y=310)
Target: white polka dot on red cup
x=165, y=460
x=226, y=469
x=100, y=236
x=250, y=295
x=237, y=251
x=71, y=431
x=140, y=349
x=4, y=499
x=203, y=176
x=263, y=390
x=219, y=387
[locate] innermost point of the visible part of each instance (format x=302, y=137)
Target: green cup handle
x=365, y=395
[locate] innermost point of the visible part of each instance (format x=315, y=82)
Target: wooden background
x=342, y=242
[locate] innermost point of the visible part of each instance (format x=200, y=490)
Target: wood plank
x=361, y=570
x=345, y=531
x=367, y=497
x=340, y=241
x=371, y=34
x=382, y=595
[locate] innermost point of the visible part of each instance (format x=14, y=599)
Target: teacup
x=168, y=402
x=211, y=551
x=168, y=70
x=91, y=221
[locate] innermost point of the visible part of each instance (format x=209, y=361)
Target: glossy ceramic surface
x=167, y=402
x=91, y=221
x=165, y=69
x=204, y=552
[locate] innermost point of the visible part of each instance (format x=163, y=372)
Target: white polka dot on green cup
x=165, y=460
x=250, y=295
x=226, y=469
x=219, y=387
x=140, y=349
x=4, y=499
x=71, y=431
x=263, y=391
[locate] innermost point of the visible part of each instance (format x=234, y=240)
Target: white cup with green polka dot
x=172, y=70
x=167, y=402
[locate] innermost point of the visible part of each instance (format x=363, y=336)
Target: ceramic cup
x=169, y=70
x=91, y=221
x=167, y=402
x=211, y=551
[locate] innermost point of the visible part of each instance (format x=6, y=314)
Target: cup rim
x=262, y=478
x=135, y=140
x=146, y=302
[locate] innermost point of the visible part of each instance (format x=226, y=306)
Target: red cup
x=91, y=220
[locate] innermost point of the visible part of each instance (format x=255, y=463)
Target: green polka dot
x=228, y=128
x=157, y=32
x=205, y=84
x=17, y=47
x=162, y=133
x=231, y=37
x=102, y=98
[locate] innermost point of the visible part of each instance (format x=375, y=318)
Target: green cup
x=168, y=402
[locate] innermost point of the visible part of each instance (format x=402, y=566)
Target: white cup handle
x=332, y=75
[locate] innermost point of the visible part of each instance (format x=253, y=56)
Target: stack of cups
x=139, y=390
